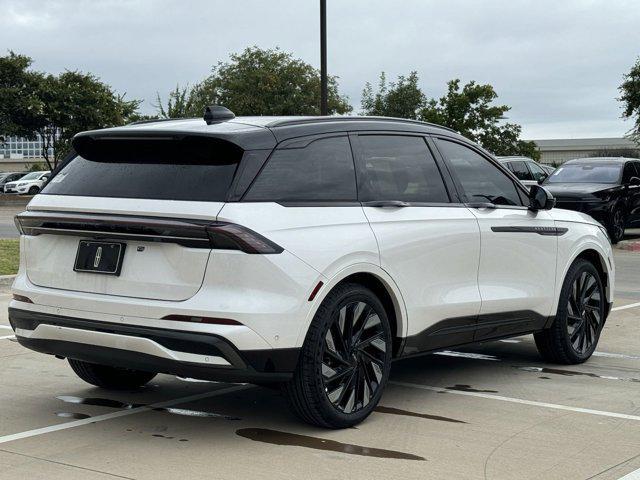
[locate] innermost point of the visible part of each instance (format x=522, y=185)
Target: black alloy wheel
x=574, y=334
x=345, y=360
x=584, y=317
x=354, y=357
x=616, y=227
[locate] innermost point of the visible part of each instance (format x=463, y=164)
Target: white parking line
x=635, y=475
x=615, y=355
x=6, y=326
x=121, y=413
x=532, y=403
x=624, y=307
x=8, y=337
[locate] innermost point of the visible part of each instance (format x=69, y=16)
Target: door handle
x=481, y=205
x=385, y=203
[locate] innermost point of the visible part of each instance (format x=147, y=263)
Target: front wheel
x=345, y=360
x=574, y=335
x=616, y=225
x=110, y=378
x=33, y=190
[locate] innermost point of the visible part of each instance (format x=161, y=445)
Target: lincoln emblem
x=96, y=260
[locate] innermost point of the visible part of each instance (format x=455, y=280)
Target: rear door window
x=320, y=171
x=481, y=180
x=192, y=168
x=520, y=170
x=399, y=168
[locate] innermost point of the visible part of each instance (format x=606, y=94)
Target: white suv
x=302, y=251
x=30, y=184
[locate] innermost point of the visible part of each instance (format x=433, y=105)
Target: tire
x=33, y=190
x=334, y=354
x=616, y=225
x=110, y=378
x=574, y=335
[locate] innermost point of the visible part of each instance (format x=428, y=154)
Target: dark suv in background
x=608, y=189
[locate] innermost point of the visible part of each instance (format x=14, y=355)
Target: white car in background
x=528, y=171
x=31, y=183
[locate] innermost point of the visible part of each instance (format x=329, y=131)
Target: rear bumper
x=187, y=354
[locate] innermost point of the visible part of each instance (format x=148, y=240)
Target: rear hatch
x=128, y=216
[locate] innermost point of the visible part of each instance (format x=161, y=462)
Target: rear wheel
x=574, y=335
x=111, y=378
x=345, y=360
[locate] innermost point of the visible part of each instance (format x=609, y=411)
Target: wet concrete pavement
x=494, y=411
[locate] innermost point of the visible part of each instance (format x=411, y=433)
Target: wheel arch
x=599, y=259
x=377, y=280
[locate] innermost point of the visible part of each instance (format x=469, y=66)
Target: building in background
x=557, y=151
x=18, y=154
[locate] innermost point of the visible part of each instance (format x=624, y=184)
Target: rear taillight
x=16, y=220
x=237, y=237
x=190, y=233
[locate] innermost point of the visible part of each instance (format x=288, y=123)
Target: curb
x=631, y=246
x=6, y=280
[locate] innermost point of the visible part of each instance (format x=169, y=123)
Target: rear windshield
x=581, y=173
x=192, y=168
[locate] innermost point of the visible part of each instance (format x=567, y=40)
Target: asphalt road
x=493, y=411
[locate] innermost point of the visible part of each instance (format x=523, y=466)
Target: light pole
x=323, y=58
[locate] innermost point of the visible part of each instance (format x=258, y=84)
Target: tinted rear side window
x=321, y=171
x=400, y=168
x=481, y=180
x=195, y=169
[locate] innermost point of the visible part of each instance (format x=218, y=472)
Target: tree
x=257, y=82
x=402, y=99
x=20, y=104
x=77, y=101
x=56, y=107
x=469, y=110
x=630, y=97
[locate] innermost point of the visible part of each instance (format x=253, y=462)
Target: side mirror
x=540, y=198
x=634, y=181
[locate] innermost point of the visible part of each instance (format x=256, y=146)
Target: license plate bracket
x=99, y=257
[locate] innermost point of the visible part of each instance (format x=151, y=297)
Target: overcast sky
x=556, y=63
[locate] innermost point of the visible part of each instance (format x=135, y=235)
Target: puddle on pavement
x=475, y=356
x=75, y=416
x=275, y=437
x=106, y=402
x=99, y=402
x=195, y=413
x=407, y=413
x=469, y=388
x=195, y=380
x=573, y=373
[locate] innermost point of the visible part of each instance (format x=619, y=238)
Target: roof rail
x=289, y=122
x=156, y=120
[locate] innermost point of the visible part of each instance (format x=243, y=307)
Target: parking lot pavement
x=8, y=209
x=491, y=411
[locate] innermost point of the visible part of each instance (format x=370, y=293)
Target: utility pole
x=323, y=58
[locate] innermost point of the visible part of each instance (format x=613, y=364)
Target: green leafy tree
x=402, y=99
x=470, y=110
x=20, y=104
x=56, y=107
x=630, y=98
x=257, y=82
